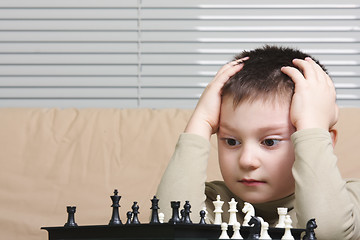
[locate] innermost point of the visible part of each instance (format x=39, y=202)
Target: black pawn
x=187, y=212
x=115, y=217
x=175, y=205
x=154, y=212
x=128, y=215
x=71, y=217
x=182, y=215
x=135, y=213
x=310, y=227
x=202, y=217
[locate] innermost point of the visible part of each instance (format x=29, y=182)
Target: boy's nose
x=248, y=159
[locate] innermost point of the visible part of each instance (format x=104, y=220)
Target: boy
x=273, y=110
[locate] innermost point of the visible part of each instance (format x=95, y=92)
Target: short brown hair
x=261, y=76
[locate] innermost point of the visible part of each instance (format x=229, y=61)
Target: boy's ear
x=333, y=133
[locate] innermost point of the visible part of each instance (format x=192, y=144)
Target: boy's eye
x=270, y=142
x=232, y=142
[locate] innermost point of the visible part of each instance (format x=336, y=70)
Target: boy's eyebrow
x=274, y=127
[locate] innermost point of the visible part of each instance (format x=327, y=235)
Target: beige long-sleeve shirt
x=320, y=191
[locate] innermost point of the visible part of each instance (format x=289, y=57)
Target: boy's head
x=256, y=154
x=261, y=76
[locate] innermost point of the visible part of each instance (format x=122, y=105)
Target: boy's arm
x=320, y=191
x=185, y=176
x=205, y=119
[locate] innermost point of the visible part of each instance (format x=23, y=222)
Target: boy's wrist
x=199, y=129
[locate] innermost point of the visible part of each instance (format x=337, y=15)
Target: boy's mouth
x=251, y=182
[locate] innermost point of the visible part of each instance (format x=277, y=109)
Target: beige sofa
x=52, y=158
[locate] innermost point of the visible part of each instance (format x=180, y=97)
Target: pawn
x=224, y=228
x=264, y=234
x=135, y=213
x=128, y=216
x=161, y=217
x=202, y=217
x=182, y=215
x=287, y=235
x=236, y=234
x=71, y=217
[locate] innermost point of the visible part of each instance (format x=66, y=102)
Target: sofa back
x=53, y=158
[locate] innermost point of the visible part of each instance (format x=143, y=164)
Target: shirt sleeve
x=320, y=191
x=185, y=176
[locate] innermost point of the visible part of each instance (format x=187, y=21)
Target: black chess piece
x=115, y=217
x=310, y=233
x=182, y=215
x=175, y=205
x=154, y=212
x=202, y=217
x=187, y=212
x=71, y=217
x=128, y=215
x=254, y=232
x=135, y=212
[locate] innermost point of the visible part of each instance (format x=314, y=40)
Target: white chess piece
x=218, y=210
x=282, y=213
x=287, y=235
x=224, y=228
x=249, y=211
x=161, y=217
x=232, y=211
x=264, y=229
x=236, y=234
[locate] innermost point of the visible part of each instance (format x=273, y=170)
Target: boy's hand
x=205, y=118
x=313, y=104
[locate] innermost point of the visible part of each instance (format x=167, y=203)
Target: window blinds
x=159, y=54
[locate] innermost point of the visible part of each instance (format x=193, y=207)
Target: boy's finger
x=307, y=68
x=321, y=73
x=294, y=74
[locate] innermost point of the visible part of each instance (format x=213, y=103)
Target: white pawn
x=264, y=229
x=224, y=228
x=236, y=234
x=232, y=211
x=161, y=217
x=218, y=210
x=287, y=235
x=282, y=213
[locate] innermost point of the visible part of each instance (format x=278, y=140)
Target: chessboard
x=162, y=231
x=180, y=226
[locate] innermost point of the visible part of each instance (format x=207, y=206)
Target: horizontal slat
x=73, y=93
x=66, y=48
x=72, y=37
x=68, y=70
x=70, y=103
x=72, y=14
x=67, y=3
x=69, y=59
x=153, y=59
x=69, y=81
x=70, y=25
x=229, y=47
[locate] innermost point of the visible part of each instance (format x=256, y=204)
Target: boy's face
x=255, y=150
